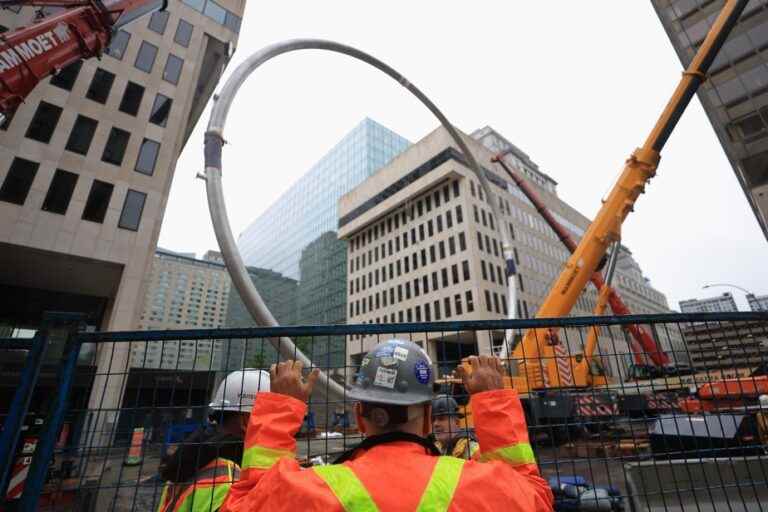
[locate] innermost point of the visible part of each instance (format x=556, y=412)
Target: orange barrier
x=135, y=451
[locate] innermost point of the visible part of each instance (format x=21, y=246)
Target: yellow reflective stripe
x=442, y=484
x=347, y=488
x=262, y=458
x=515, y=454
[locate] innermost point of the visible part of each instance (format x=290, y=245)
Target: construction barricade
x=610, y=430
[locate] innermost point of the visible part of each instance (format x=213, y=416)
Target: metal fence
x=622, y=436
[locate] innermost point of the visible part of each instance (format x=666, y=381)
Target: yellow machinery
x=541, y=359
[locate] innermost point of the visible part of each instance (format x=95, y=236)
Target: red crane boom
x=643, y=344
x=30, y=54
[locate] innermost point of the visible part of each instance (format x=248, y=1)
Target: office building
x=735, y=95
x=423, y=245
x=757, y=303
x=183, y=293
x=296, y=236
x=86, y=164
x=724, y=345
x=720, y=304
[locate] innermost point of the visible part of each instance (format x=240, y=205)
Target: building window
x=483, y=270
x=158, y=21
x=172, y=70
x=215, y=12
x=98, y=201
x=459, y=216
x=488, y=301
x=145, y=58
x=457, y=304
x=183, y=33
x=233, y=22
x=462, y=242
x=455, y=273
x=18, y=181
x=436, y=304
x=496, y=302
x=444, y=273
x=160, y=110
x=44, y=122
x=60, y=192
x=470, y=304
x=114, y=151
x=451, y=246
x=455, y=189
x=132, y=97
x=447, y=307
x=100, y=86
x=119, y=43
x=81, y=135
x=65, y=79
x=465, y=269
x=145, y=163
x=130, y=218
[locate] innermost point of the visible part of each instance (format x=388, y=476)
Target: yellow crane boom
x=539, y=353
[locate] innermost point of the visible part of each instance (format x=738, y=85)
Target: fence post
x=20, y=405
x=55, y=416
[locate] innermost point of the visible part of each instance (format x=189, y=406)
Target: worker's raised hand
x=286, y=379
x=485, y=374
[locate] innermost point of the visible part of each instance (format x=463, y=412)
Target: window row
x=22, y=172
x=498, y=305
x=405, y=291
x=433, y=310
x=46, y=118
x=415, y=210
x=217, y=13
x=417, y=234
x=407, y=264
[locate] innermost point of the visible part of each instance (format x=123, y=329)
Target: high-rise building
x=757, y=302
x=735, y=95
x=86, y=164
x=183, y=293
x=720, y=304
x=423, y=245
x=726, y=346
x=296, y=236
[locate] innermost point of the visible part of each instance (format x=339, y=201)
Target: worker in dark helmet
x=449, y=431
x=395, y=468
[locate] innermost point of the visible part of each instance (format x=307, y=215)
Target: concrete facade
x=86, y=165
x=724, y=345
x=423, y=246
x=757, y=302
x=183, y=293
x=735, y=95
x=720, y=304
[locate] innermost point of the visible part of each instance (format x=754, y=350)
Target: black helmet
x=395, y=372
x=444, y=405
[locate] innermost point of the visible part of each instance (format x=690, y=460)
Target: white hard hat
x=238, y=391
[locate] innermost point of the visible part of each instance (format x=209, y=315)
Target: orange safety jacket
x=397, y=476
x=206, y=492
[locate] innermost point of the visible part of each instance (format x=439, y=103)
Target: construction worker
x=451, y=437
x=395, y=468
x=199, y=472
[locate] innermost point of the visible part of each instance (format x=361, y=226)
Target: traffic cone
x=134, y=452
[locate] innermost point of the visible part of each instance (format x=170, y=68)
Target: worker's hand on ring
x=486, y=375
x=286, y=379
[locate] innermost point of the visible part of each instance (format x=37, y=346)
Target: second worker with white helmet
x=201, y=470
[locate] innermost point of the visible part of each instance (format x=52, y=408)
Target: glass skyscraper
x=735, y=95
x=297, y=235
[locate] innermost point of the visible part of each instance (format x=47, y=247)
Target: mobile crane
x=643, y=346
x=83, y=30
x=540, y=364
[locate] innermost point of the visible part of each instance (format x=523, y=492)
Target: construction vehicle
x=82, y=31
x=642, y=344
x=542, y=362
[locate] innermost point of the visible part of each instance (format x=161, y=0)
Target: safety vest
x=353, y=496
x=206, y=492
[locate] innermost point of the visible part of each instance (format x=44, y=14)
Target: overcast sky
x=577, y=85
